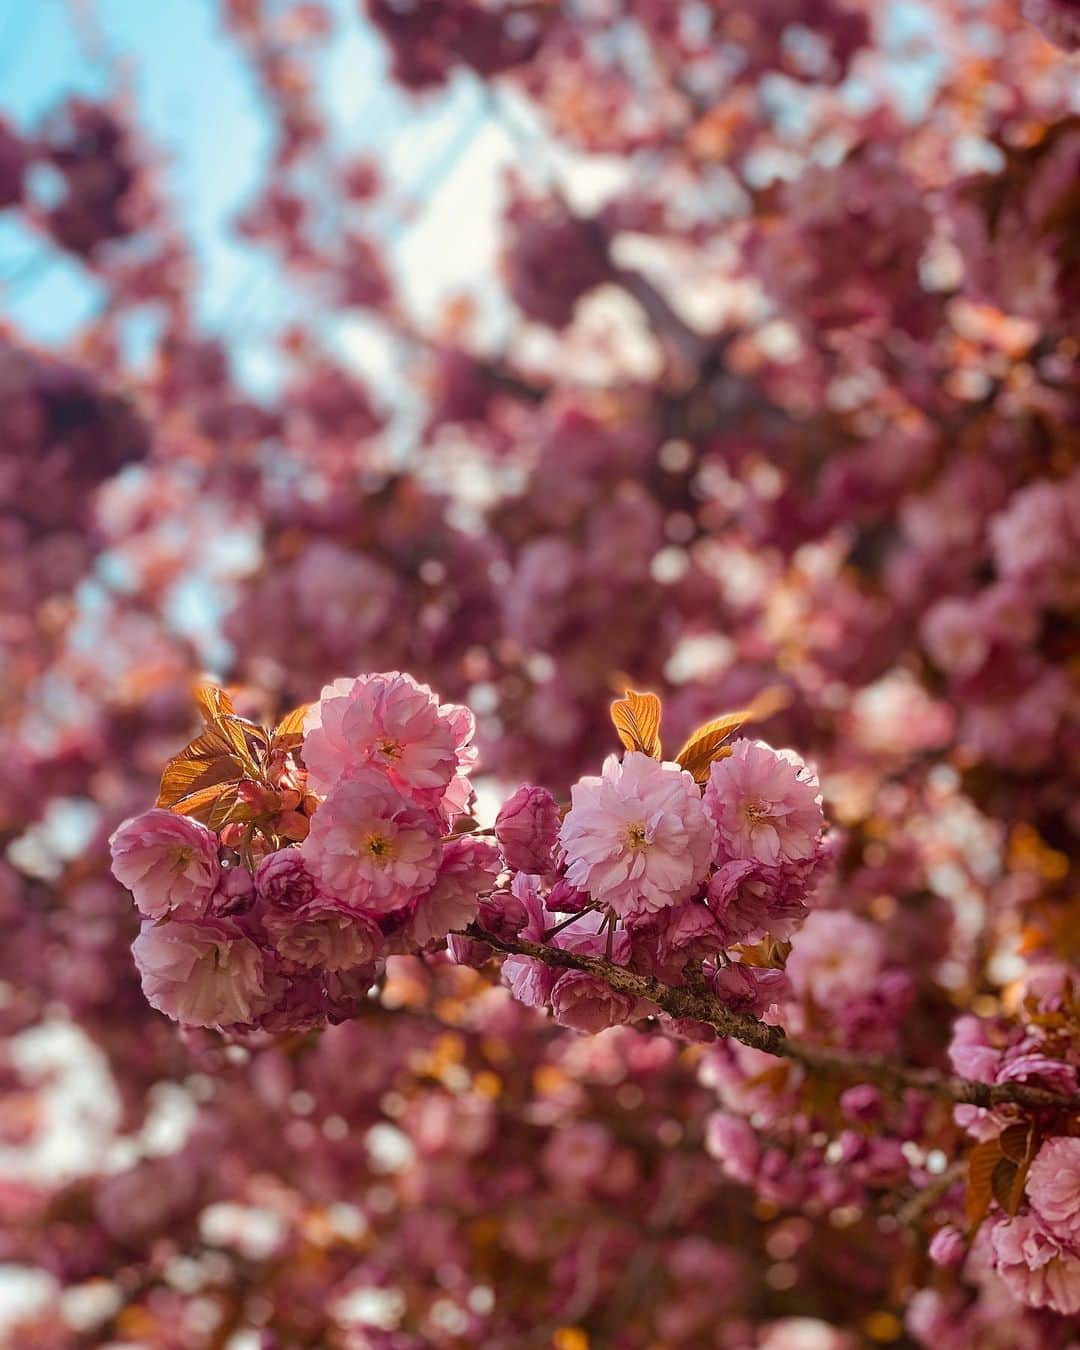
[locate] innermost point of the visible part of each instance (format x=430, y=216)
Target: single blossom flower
x=636, y=838
x=282, y=879
x=765, y=804
x=168, y=862
x=393, y=724
x=370, y=847
x=588, y=1003
x=323, y=936
x=204, y=974
x=467, y=871
x=749, y=900
x=1053, y=1187
x=1039, y=1270
x=835, y=958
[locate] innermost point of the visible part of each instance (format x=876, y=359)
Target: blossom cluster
x=661, y=875
x=242, y=935
x=1033, y=1237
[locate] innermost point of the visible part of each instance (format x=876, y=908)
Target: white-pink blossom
x=392, y=723
x=168, y=862
x=637, y=838
x=765, y=804
x=372, y=848
x=201, y=974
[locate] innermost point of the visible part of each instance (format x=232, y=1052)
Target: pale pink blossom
x=731, y=1141
x=588, y=1003
x=835, y=957
x=319, y=935
x=637, y=837
x=201, y=974
x=392, y=723
x=528, y=979
x=1038, y=1270
x=954, y=634
x=370, y=847
x=1053, y=1187
x=765, y=804
x=168, y=862
x=467, y=871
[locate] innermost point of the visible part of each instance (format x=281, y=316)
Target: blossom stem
x=699, y=1005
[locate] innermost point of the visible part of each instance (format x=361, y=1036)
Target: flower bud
x=527, y=828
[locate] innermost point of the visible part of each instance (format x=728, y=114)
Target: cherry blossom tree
x=598, y=872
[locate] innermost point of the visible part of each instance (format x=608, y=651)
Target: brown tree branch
x=700, y=1006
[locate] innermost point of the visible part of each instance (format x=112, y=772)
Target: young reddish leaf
x=637, y=720
x=982, y=1160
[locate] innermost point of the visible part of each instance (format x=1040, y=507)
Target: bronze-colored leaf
x=707, y=743
x=1015, y=1141
x=982, y=1160
x=240, y=734
x=637, y=720
x=212, y=805
x=1002, y=1182
x=207, y=760
x=213, y=702
x=289, y=732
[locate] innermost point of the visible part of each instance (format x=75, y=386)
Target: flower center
x=379, y=848
x=755, y=811
x=182, y=855
x=637, y=836
x=389, y=748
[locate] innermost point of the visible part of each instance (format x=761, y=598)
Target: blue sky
x=198, y=102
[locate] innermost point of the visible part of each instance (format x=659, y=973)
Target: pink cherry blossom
x=282, y=879
x=397, y=725
x=587, y=1003
x=168, y=862
x=318, y=935
x=765, y=804
x=468, y=869
x=1039, y=1270
x=201, y=974
x=371, y=847
x=637, y=837
x=1053, y=1187
x=749, y=900
x=947, y=1247
x=835, y=957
